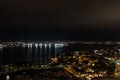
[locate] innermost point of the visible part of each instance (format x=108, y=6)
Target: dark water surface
x=29, y=54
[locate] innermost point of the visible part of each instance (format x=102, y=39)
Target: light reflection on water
x=37, y=53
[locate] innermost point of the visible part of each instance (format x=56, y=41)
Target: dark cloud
x=60, y=12
x=80, y=16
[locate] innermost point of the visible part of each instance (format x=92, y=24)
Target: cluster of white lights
x=59, y=44
x=49, y=44
x=29, y=44
x=36, y=45
x=40, y=44
x=45, y=44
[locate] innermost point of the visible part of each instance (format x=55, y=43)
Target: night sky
x=60, y=19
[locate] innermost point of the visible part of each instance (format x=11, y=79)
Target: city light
x=36, y=45
x=30, y=45
x=7, y=77
x=45, y=44
x=49, y=45
x=59, y=45
x=40, y=44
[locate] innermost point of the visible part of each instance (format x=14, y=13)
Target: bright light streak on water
x=40, y=48
x=36, y=45
x=29, y=44
x=40, y=44
x=50, y=46
x=45, y=56
x=45, y=45
x=58, y=48
x=40, y=54
x=29, y=57
x=36, y=52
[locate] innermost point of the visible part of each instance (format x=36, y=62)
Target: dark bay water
x=29, y=54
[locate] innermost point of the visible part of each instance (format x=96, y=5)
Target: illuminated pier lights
x=58, y=48
x=29, y=54
x=47, y=52
x=43, y=51
x=50, y=50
